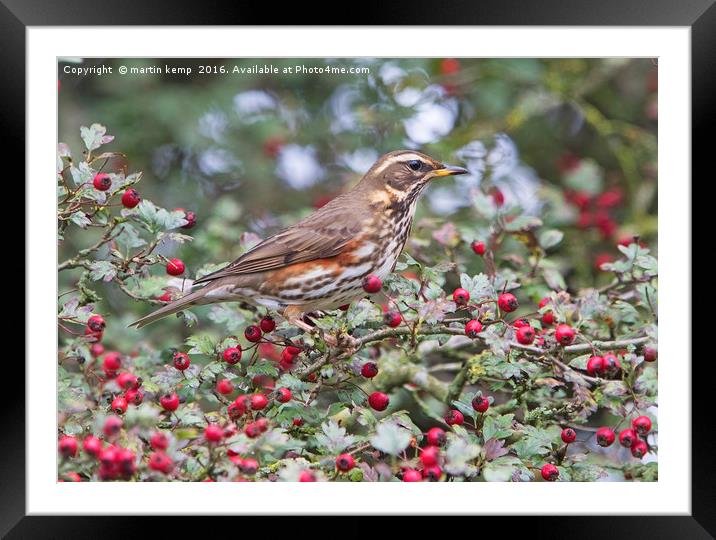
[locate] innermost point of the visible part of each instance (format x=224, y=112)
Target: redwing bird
x=320, y=262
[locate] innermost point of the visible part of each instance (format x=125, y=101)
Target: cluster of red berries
x=633, y=438
x=603, y=366
x=525, y=334
x=430, y=459
x=115, y=461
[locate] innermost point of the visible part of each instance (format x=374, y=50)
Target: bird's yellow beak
x=449, y=170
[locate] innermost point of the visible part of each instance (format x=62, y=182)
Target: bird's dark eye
x=415, y=164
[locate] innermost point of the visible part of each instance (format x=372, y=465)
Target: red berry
x=241, y=404
x=436, y=436
x=109, y=373
x=605, y=437
x=169, y=402
x=433, y=473
x=159, y=461
x=159, y=441
x=71, y=477
x=119, y=405
x=102, y=182
x=480, y=403
x=430, y=456
x=525, y=335
x=249, y=466
x=67, y=446
x=134, y=396
x=253, y=333
x=297, y=421
x=306, y=476
x=112, y=361
x=460, y=296
x=639, y=448
x=131, y=198
x=108, y=456
x=224, y=386
x=392, y=318
x=546, y=300
x=549, y=472
x=497, y=196
x=96, y=349
x=252, y=430
x=165, y=297
x=175, y=267
x=411, y=475
x=232, y=355
x=258, y=401
x=479, y=247
x=449, y=66
x=507, y=302
x=569, y=435
x=378, y=401
x=112, y=425
x=96, y=323
x=213, y=433
x=369, y=370
x=610, y=198
x=127, y=381
x=283, y=395
x=372, y=284
x=520, y=323
x=126, y=462
x=595, y=365
x=564, y=334
x=472, y=328
x=548, y=318
x=92, y=445
x=267, y=324
x=345, y=462
x=189, y=216
x=181, y=361
x=650, y=354
x=641, y=424
x=611, y=364
x=627, y=437
x=454, y=417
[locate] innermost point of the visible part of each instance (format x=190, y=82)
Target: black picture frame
x=699, y=15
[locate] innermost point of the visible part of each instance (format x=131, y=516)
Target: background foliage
x=562, y=156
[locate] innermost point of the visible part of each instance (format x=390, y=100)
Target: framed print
x=316, y=263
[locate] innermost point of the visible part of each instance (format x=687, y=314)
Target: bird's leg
x=294, y=316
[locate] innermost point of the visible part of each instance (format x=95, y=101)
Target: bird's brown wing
x=321, y=235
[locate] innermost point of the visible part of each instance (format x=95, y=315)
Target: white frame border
x=670, y=495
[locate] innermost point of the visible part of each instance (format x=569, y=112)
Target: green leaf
x=200, y=344
x=102, y=270
x=536, y=442
x=500, y=469
x=333, y=438
x=478, y=286
x=550, y=238
x=497, y=427
x=95, y=136
x=80, y=219
x=588, y=176
x=459, y=452
x=390, y=438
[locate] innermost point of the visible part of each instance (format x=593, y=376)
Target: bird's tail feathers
x=191, y=299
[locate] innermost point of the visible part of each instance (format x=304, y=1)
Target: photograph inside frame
x=357, y=269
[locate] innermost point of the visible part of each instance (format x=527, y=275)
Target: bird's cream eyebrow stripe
x=398, y=159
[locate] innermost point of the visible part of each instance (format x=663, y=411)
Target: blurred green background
x=571, y=140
